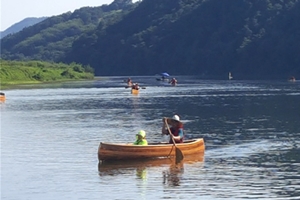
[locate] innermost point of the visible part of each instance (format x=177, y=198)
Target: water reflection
x=141, y=173
x=172, y=173
x=172, y=176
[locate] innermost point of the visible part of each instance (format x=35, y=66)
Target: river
x=50, y=136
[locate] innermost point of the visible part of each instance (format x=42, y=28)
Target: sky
x=14, y=11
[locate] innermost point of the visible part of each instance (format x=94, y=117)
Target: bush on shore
x=27, y=72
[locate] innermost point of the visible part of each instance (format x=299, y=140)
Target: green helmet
x=142, y=133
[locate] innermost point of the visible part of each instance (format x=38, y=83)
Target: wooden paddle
x=178, y=152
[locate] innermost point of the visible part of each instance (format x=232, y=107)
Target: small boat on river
x=2, y=97
x=163, y=77
x=122, y=151
x=135, y=91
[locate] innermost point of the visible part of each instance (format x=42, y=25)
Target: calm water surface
x=50, y=137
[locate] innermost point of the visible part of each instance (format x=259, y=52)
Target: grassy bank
x=14, y=73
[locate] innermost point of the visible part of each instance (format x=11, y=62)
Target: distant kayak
x=2, y=97
x=134, y=91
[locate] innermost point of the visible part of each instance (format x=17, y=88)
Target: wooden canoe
x=111, y=151
x=134, y=91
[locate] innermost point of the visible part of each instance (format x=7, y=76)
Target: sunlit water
x=50, y=137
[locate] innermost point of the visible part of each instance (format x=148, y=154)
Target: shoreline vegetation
x=17, y=73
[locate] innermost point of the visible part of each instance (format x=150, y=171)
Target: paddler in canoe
x=176, y=129
x=135, y=86
x=173, y=81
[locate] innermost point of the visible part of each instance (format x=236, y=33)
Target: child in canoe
x=141, y=138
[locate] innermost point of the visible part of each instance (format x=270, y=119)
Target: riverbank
x=54, y=84
x=14, y=74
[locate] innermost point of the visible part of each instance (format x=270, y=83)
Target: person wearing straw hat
x=141, y=138
x=176, y=128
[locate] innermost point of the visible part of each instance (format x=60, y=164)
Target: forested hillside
x=250, y=38
x=52, y=38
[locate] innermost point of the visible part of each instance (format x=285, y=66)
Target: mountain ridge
x=251, y=39
x=29, y=21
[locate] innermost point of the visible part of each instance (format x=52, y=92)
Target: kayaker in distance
x=129, y=81
x=292, y=79
x=173, y=81
x=135, y=86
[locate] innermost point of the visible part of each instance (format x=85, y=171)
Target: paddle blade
x=178, y=155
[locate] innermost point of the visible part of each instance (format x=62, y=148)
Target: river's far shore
x=33, y=85
x=16, y=74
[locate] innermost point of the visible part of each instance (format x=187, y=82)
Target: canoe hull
x=108, y=151
x=133, y=91
x=2, y=98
